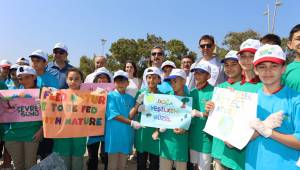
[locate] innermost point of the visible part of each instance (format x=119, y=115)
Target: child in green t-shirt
x=22, y=138
x=72, y=149
x=146, y=147
x=291, y=76
x=174, y=142
x=223, y=153
x=199, y=141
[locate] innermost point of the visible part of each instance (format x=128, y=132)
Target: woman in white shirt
x=134, y=82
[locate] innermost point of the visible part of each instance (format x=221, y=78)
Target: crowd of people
x=259, y=66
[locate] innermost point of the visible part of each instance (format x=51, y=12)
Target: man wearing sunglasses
x=207, y=47
x=60, y=64
x=156, y=59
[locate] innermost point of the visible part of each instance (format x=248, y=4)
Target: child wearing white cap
x=101, y=75
x=147, y=148
x=118, y=131
x=166, y=67
x=224, y=155
x=277, y=137
x=174, y=142
x=4, y=70
x=291, y=75
x=246, y=56
x=199, y=141
x=22, y=138
x=13, y=82
x=22, y=61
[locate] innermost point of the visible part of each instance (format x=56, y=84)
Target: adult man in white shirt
x=207, y=46
x=99, y=61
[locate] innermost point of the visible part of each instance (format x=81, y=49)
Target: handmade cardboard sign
x=167, y=111
x=73, y=113
x=20, y=105
x=230, y=119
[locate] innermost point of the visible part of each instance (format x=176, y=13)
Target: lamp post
x=103, y=41
x=277, y=4
x=267, y=13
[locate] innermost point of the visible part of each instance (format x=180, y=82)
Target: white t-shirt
x=217, y=73
x=134, y=85
x=90, y=78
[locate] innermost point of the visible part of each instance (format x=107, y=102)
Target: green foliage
x=86, y=65
x=221, y=52
x=233, y=40
x=139, y=51
x=50, y=58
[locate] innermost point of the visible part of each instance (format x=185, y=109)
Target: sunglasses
x=205, y=46
x=59, y=52
x=157, y=53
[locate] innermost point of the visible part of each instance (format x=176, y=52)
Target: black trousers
x=142, y=161
x=45, y=147
x=92, y=163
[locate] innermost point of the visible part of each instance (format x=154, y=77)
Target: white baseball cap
x=121, y=73
x=168, y=63
x=250, y=45
x=202, y=67
x=176, y=73
x=5, y=63
x=152, y=70
x=40, y=54
x=103, y=70
x=23, y=60
x=60, y=46
x=14, y=66
x=272, y=53
x=25, y=70
x=231, y=55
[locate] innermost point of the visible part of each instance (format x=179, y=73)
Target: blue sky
x=27, y=25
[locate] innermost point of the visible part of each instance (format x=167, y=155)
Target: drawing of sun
x=150, y=98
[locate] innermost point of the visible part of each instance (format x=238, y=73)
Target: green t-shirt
x=198, y=139
x=234, y=158
x=291, y=76
x=174, y=146
x=219, y=149
x=143, y=137
x=2, y=87
x=22, y=131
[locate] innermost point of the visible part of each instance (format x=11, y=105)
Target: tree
x=176, y=49
x=86, y=65
x=50, y=58
x=221, y=52
x=233, y=40
x=139, y=51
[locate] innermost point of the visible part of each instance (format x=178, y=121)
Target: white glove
x=135, y=124
x=262, y=129
x=162, y=130
x=140, y=98
x=141, y=108
x=196, y=113
x=274, y=120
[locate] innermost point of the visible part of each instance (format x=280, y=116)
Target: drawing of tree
x=184, y=101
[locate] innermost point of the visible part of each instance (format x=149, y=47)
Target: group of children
x=254, y=68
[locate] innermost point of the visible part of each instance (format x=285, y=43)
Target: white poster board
x=230, y=119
